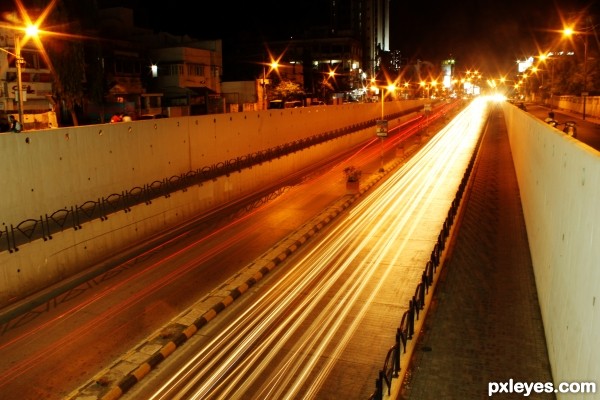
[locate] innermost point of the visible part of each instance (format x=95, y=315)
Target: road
x=588, y=130
x=322, y=325
x=62, y=345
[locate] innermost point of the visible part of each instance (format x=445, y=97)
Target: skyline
x=479, y=34
x=494, y=35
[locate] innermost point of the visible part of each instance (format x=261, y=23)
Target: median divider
x=138, y=363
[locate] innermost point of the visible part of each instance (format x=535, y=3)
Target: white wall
x=44, y=171
x=559, y=182
x=575, y=104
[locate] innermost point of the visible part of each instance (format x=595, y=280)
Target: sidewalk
x=576, y=116
x=484, y=324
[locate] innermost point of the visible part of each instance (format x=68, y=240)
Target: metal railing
x=73, y=217
x=406, y=330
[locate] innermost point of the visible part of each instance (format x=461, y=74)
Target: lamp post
x=19, y=61
x=272, y=66
x=569, y=32
x=382, y=100
x=548, y=58
x=264, y=85
x=381, y=131
x=585, y=93
x=381, y=127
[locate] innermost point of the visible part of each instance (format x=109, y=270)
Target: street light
x=570, y=32
x=585, y=93
x=548, y=58
x=390, y=88
x=381, y=127
x=19, y=61
x=406, y=89
x=31, y=31
x=272, y=66
x=423, y=83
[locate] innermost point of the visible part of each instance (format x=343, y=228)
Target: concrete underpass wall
x=559, y=182
x=50, y=170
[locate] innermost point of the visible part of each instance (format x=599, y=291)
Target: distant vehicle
x=280, y=104
x=317, y=103
x=153, y=116
x=293, y=104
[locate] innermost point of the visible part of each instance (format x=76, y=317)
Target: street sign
x=381, y=128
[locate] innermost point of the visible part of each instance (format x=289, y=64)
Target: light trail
x=292, y=337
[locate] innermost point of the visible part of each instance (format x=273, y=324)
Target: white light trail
x=287, y=343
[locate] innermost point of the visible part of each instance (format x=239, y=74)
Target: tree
x=287, y=90
x=66, y=53
x=96, y=83
x=68, y=62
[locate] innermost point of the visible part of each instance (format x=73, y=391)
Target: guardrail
x=405, y=332
x=73, y=217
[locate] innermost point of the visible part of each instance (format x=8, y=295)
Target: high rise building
x=375, y=33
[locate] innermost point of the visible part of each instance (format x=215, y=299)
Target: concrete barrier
x=559, y=182
x=52, y=169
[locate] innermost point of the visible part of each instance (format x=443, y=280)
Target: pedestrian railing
x=73, y=217
x=406, y=330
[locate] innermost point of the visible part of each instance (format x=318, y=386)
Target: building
x=36, y=81
x=188, y=74
x=157, y=72
x=142, y=71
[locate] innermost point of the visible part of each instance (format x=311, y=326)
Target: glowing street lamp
x=406, y=87
x=390, y=88
x=422, y=84
x=548, y=58
x=569, y=32
x=272, y=67
x=31, y=31
x=381, y=127
x=433, y=86
x=19, y=61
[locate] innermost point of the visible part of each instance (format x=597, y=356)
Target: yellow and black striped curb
x=98, y=385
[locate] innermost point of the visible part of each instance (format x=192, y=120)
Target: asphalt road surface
x=60, y=347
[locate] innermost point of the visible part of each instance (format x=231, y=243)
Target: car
x=153, y=116
x=280, y=104
x=293, y=104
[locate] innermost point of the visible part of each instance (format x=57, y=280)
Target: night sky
x=225, y=19
x=491, y=34
x=486, y=34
